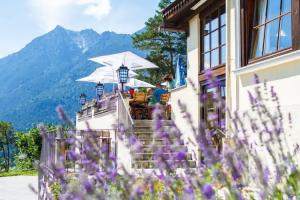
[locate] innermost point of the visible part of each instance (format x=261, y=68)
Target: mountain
x=41, y=76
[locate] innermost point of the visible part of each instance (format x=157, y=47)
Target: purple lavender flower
x=72, y=155
x=181, y=155
x=208, y=191
x=293, y=167
x=71, y=140
x=251, y=98
x=266, y=176
x=113, y=174
x=256, y=79
x=296, y=149
x=189, y=190
x=112, y=157
x=132, y=140
x=208, y=74
x=236, y=175
x=161, y=176
x=273, y=93
x=189, y=193
x=139, y=191
x=88, y=186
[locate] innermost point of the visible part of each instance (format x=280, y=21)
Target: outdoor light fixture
x=99, y=89
x=123, y=75
x=82, y=99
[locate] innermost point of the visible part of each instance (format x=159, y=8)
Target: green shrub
x=28, y=149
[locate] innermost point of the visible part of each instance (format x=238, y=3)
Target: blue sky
x=23, y=20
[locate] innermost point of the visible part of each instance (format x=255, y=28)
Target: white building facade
x=236, y=40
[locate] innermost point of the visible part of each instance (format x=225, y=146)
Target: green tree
x=6, y=145
x=163, y=47
x=28, y=149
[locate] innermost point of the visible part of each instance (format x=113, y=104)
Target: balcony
x=95, y=109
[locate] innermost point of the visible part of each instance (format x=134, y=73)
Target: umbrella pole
x=122, y=89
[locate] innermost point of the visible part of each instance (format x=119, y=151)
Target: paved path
x=16, y=188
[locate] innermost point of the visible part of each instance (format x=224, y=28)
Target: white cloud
x=50, y=13
x=97, y=8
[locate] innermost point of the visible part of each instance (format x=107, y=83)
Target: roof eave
x=176, y=14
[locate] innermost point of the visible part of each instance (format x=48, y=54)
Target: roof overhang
x=177, y=14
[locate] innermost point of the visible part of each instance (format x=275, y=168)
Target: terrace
x=129, y=108
x=138, y=106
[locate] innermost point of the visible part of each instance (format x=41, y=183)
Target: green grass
x=18, y=173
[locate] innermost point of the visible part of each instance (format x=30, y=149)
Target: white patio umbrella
x=104, y=75
x=98, y=79
x=135, y=83
x=111, y=71
x=129, y=59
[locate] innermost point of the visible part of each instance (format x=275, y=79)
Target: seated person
x=150, y=96
x=131, y=92
x=169, y=79
x=158, y=91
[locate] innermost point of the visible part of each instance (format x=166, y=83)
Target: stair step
x=148, y=152
x=159, y=142
x=142, y=136
x=152, y=164
x=147, y=136
x=143, y=129
x=144, y=158
x=147, y=132
x=151, y=141
x=148, y=128
x=151, y=151
x=149, y=123
x=173, y=147
x=150, y=156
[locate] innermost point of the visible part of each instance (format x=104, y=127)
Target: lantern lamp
x=82, y=99
x=99, y=89
x=123, y=75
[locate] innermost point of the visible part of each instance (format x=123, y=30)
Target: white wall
x=103, y=121
x=285, y=78
x=282, y=72
x=188, y=95
x=123, y=156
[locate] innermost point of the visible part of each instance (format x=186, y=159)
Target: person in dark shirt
x=158, y=91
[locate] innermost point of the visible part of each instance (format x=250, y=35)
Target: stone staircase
x=144, y=158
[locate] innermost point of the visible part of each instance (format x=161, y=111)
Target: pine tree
x=163, y=47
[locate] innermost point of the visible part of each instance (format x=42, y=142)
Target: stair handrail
x=124, y=116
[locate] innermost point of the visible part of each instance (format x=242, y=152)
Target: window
x=213, y=51
x=272, y=30
x=269, y=28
